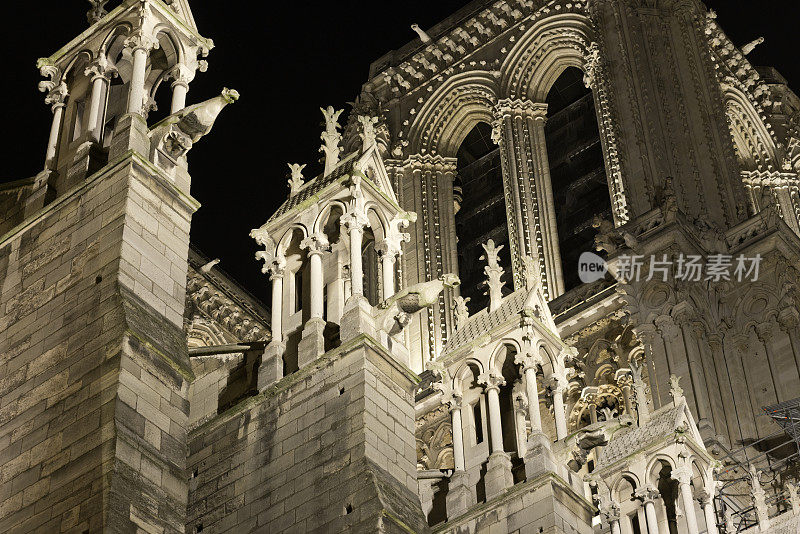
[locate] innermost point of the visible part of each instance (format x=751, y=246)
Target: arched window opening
x=295, y=300
x=480, y=213
x=369, y=262
x=668, y=488
x=508, y=416
x=577, y=169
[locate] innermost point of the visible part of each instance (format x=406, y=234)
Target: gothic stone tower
x=93, y=266
x=629, y=127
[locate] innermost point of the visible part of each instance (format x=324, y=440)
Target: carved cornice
x=215, y=297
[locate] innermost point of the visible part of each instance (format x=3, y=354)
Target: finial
x=424, y=37
x=493, y=272
x=675, y=389
x=367, y=131
x=331, y=137
x=97, y=11
x=296, y=181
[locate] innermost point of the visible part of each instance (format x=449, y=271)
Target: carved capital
x=390, y=247
x=647, y=494
x=765, y=331
x=669, y=330
x=514, y=108
x=355, y=220
x=316, y=244
x=527, y=361
x=453, y=401
x=101, y=68
x=788, y=319
x=491, y=380
x=682, y=475
x=141, y=41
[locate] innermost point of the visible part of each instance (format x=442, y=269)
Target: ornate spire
x=331, y=138
x=493, y=272
x=296, y=180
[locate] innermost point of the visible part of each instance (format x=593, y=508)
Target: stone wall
x=328, y=448
x=94, y=376
x=545, y=504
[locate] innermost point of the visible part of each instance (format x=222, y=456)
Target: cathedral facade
x=547, y=281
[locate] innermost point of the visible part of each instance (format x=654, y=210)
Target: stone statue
x=462, y=313
x=296, y=180
x=97, y=11
x=533, y=273
x=367, y=131
x=675, y=389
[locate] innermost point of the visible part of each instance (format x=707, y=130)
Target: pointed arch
x=452, y=112
x=754, y=145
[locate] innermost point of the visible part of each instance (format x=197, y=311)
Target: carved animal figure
x=412, y=299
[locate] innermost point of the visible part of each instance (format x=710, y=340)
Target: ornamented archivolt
x=206, y=304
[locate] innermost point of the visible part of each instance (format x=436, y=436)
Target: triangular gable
x=372, y=165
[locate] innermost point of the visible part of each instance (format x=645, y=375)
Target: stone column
x=590, y=399
x=520, y=408
x=544, y=192
x=707, y=504
x=529, y=366
x=557, y=388
x=312, y=344
x=140, y=45
x=100, y=70
x=684, y=478
x=625, y=382
x=648, y=495
x=56, y=98
x=179, y=90
x=458, y=432
x=498, y=472
x=271, y=368
x=459, y=496
x=276, y=312
x=519, y=131
x=388, y=253
x=355, y=223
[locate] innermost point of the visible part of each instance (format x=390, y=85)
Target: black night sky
x=286, y=59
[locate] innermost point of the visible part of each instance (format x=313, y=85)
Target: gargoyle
x=398, y=309
x=177, y=133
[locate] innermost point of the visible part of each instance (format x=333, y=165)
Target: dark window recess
x=476, y=417
x=298, y=290
x=577, y=169
x=481, y=213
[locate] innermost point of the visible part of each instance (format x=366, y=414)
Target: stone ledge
x=513, y=492
x=288, y=381
x=187, y=200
